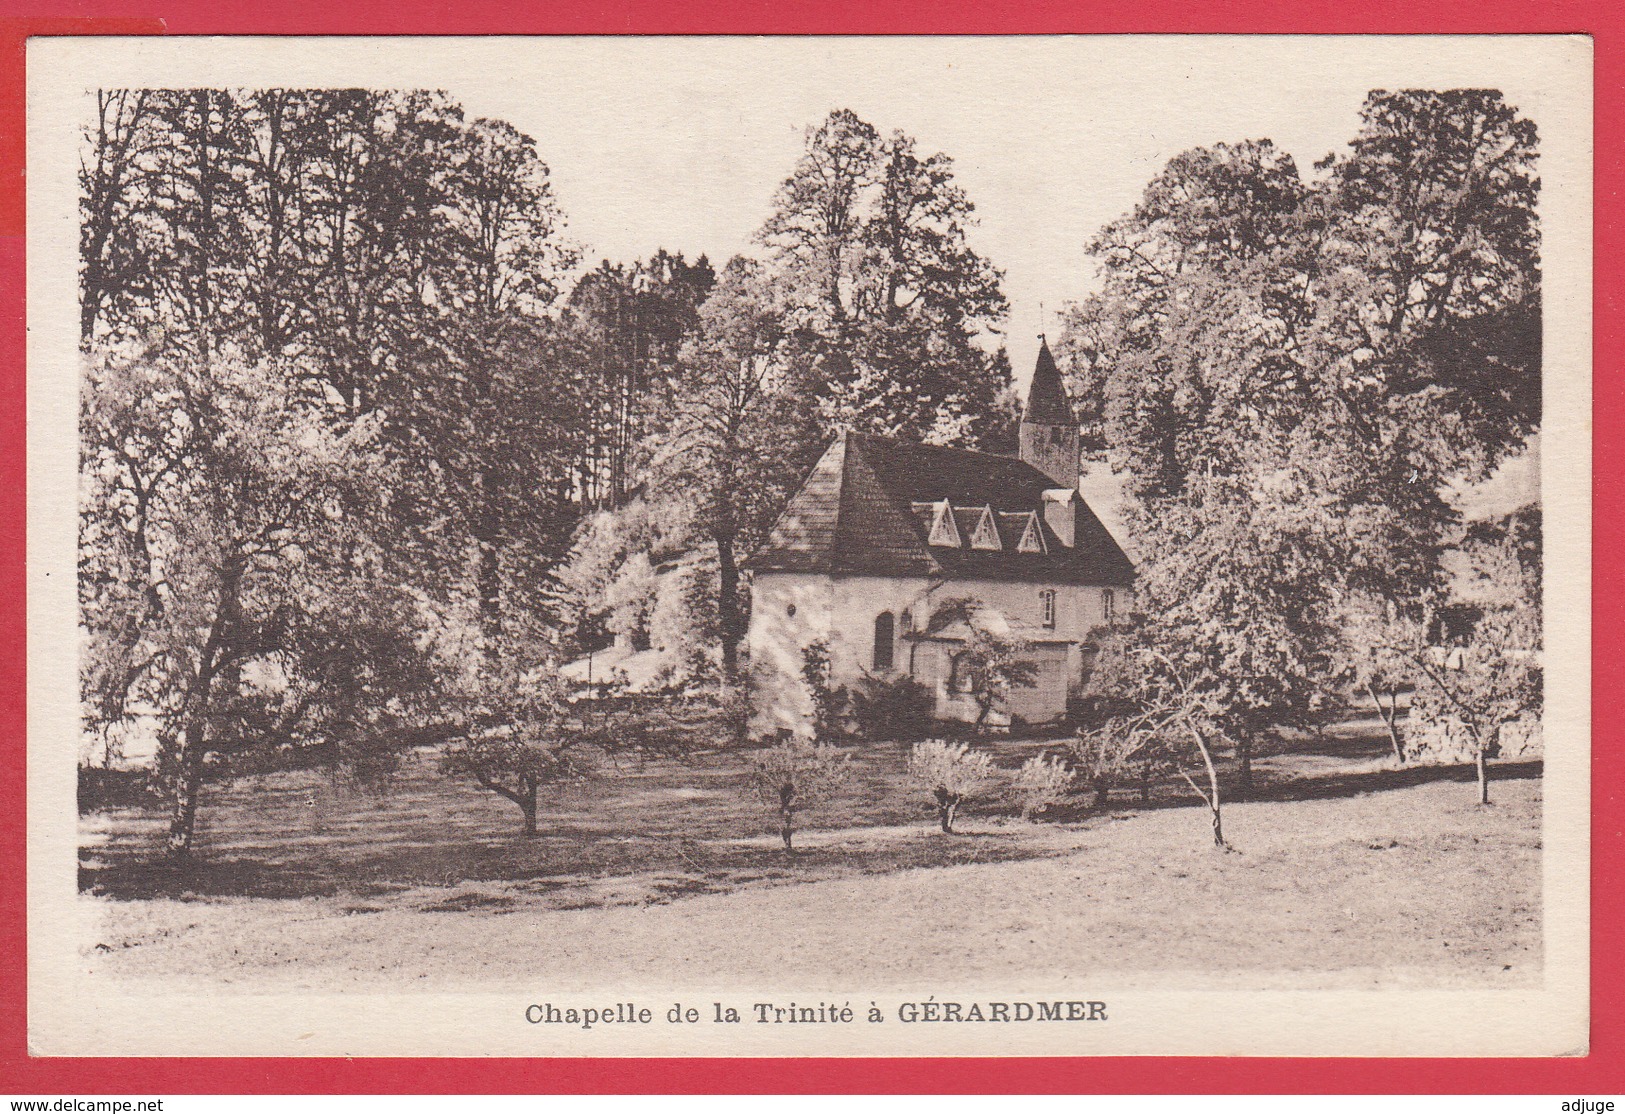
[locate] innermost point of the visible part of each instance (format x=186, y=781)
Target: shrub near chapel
x=1042, y=782
x=793, y=776
x=952, y=773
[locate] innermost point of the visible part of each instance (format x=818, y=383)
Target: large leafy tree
x=1292, y=374
x=224, y=547
x=349, y=290
x=741, y=432
x=878, y=288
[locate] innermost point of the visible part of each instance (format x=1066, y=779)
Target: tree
x=1293, y=374
x=1474, y=697
x=631, y=323
x=378, y=248
x=224, y=541
x=794, y=775
x=952, y=773
x=869, y=311
x=878, y=290
x=1372, y=332
x=114, y=166
x=1494, y=683
x=517, y=730
x=321, y=377
x=739, y=435
x=1164, y=700
x=1375, y=640
x=1102, y=752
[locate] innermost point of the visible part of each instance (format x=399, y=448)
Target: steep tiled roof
x=859, y=513
x=1046, y=399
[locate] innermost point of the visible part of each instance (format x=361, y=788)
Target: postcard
x=726, y=546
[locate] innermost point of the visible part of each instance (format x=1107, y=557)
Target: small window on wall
x=885, y=633
x=1046, y=600
x=1107, y=605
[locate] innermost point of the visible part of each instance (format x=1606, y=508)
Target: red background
x=1602, y=1072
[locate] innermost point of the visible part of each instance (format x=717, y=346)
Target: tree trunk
x=528, y=805
x=728, y=604
x=1246, y=764
x=1103, y=787
x=490, y=589
x=983, y=707
x=189, y=765
x=1481, y=761
x=787, y=816
x=1212, y=797
x=1390, y=716
x=188, y=782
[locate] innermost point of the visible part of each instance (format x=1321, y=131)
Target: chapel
x=894, y=553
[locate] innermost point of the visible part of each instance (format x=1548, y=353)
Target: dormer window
x=1032, y=538
x=944, y=530
x=986, y=534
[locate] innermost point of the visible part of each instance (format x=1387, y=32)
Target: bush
x=796, y=774
x=952, y=773
x=1041, y=782
x=899, y=709
x=828, y=701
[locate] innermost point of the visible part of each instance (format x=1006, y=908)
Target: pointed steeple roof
x=1047, y=403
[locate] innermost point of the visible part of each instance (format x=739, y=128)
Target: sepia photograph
x=753, y=546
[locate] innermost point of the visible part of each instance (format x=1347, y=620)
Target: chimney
x=1061, y=513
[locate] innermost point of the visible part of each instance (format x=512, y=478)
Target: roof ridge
x=901, y=443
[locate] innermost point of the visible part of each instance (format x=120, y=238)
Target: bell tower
x=1048, y=437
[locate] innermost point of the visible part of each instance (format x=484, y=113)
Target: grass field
x=1347, y=874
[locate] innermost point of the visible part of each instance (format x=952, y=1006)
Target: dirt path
x=1414, y=886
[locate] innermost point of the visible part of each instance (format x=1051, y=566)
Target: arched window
x=885, y=634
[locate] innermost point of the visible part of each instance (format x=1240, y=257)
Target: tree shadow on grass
x=201, y=878
x=650, y=871
x=1377, y=781
x=573, y=866
x=1273, y=785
